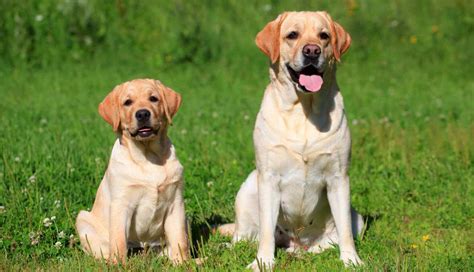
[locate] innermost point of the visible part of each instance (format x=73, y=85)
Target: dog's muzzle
x=144, y=132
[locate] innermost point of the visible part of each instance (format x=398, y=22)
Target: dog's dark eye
x=323, y=36
x=153, y=99
x=293, y=35
x=128, y=102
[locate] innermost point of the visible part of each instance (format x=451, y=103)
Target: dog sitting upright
x=140, y=198
x=299, y=195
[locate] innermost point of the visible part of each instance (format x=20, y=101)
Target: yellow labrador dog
x=298, y=197
x=140, y=198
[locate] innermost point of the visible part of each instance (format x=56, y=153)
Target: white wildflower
x=32, y=179
x=39, y=18
x=34, y=237
x=2, y=209
x=57, y=203
x=47, y=222
x=53, y=218
x=355, y=122
x=61, y=235
x=58, y=245
x=43, y=121
x=210, y=183
x=17, y=159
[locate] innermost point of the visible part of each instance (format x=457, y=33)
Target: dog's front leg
x=175, y=229
x=338, y=191
x=119, y=226
x=269, y=206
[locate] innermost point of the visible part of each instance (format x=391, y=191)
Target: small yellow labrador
x=298, y=196
x=140, y=198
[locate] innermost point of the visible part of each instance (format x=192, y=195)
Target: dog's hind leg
x=246, y=210
x=93, y=235
x=226, y=229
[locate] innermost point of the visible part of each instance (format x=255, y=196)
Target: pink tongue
x=311, y=83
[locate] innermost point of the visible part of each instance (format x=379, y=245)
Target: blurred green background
x=48, y=32
x=408, y=88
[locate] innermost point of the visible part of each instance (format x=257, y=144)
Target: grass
x=408, y=88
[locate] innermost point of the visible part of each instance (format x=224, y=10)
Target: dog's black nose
x=142, y=115
x=311, y=51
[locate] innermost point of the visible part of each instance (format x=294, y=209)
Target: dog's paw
x=199, y=261
x=261, y=264
x=351, y=259
x=316, y=249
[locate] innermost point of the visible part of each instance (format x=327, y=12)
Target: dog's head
x=304, y=45
x=140, y=108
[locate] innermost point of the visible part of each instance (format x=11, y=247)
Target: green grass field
x=408, y=88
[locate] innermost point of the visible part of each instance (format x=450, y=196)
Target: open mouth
x=144, y=132
x=308, y=79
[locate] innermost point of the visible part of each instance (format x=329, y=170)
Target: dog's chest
x=304, y=158
x=302, y=179
x=155, y=196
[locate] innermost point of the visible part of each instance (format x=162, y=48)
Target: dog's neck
x=155, y=151
x=290, y=98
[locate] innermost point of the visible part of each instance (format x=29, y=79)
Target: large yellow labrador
x=299, y=196
x=140, y=198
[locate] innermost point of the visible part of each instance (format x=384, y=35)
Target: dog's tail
x=225, y=230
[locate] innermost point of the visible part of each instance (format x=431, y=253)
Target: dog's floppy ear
x=340, y=40
x=171, y=100
x=109, y=108
x=268, y=39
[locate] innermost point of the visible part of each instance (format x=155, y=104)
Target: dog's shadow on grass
x=369, y=220
x=199, y=233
